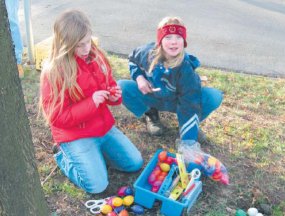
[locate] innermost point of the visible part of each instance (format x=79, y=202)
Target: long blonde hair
x=158, y=54
x=61, y=68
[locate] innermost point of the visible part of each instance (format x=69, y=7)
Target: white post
x=29, y=31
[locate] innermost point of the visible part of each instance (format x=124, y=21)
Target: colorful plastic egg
x=129, y=191
x=137, y=209
x=117, y=210
x=128, y=200
x=106, y=209
x=199, y=159
x=156, y=172
x=240, y=212
x=109, y=201
x=160, y=178
x=212, y=161
x=124, y=212
x=165, y=167
x=157, y=183
x=151, y=179
x=154, y=189
x=121, y=191
x=169, y=160
x=217, y=175
x=117, y=201
x=112, y=214
x=225, y=179
x=162, y=156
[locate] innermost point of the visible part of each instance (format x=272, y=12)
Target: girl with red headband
x=164, y=79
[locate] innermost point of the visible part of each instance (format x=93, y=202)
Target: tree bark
x=20, y=189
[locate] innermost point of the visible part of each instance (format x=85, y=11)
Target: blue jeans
x=139, y=103
x=83, y=160
x=12, y=10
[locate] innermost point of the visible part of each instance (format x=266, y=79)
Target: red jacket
x=82, y=119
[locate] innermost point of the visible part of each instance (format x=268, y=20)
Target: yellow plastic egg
x=164, y=167
x=106, y=209
x=128, y=200
x=212, y=161
x=117, y=201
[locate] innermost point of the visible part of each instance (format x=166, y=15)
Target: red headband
x=171, y=29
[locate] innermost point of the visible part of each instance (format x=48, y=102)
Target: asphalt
x=240, y=35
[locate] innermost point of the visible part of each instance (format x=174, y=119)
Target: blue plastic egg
x=137, y=209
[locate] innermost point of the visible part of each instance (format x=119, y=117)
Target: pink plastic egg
x=157, y=183
x=121, y=191
x=151, y=179
x=112, y=214
x=154, y=189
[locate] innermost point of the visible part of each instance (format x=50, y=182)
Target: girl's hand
x=100, y=97
x=144, y=85
x=115, y=93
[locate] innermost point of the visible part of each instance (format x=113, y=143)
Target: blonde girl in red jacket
x=76, y=89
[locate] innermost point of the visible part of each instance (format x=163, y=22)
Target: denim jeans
x=139, y=103
x=83, y=161
x=12, y=10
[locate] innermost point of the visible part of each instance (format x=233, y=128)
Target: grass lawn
x=247, y=134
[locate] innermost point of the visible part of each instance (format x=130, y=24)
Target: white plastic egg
x=252, y=212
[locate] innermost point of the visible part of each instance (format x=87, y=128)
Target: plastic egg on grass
x=124, y=212
x=259, y=214
x=106, y=209
x=112, y=214
x=121, y=191
x=252, y=211
x=129, y=191
x=137, y=209
x=117, y=201
x=117, y=210
x=128, y=200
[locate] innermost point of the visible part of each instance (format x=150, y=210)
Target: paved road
x=240, y=35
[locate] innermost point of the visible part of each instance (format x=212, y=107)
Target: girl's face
x=83, y=47
x=172, y=45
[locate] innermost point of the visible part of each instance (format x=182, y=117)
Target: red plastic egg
x=160, y=178
x=162, y=156
x=169, y=160
x=156, y=172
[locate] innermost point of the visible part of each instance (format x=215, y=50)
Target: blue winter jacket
x=180, y=85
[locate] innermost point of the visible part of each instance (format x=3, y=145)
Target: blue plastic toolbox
x=145, y=197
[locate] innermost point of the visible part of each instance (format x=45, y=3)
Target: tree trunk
x=20, y=189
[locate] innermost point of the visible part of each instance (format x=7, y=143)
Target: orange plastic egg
x=124, y=212
x=162, y=156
